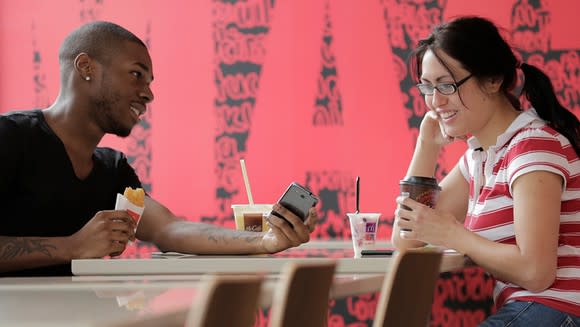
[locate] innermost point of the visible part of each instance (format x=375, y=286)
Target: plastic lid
x=420, y=180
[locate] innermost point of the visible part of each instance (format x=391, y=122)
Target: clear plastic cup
x=250, y=217
x=363, y=228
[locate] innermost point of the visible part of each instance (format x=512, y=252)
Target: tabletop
x=114, y=295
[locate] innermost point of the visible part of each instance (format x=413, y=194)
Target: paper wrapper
x=135, y=301
x=134, y=211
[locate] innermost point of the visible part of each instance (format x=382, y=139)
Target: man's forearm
x=17, y=253
x=200, y=238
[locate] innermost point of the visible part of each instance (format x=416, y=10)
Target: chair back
x=226, y=301
x=170, y=319
x=302, y=294
x=407, y=292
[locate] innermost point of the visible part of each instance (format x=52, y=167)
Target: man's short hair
x=100, y=40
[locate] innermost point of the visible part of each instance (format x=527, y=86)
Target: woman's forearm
x=424, y=159
x=423, y=164
x=505, y=261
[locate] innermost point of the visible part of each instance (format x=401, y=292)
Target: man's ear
x=83, y=65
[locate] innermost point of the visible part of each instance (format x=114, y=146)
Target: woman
x=512, y=203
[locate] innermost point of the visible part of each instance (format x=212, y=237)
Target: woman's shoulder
x=540, y=134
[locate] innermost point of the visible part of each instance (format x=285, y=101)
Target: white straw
x=246, y=181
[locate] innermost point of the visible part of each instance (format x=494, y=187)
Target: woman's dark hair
x=477, y=44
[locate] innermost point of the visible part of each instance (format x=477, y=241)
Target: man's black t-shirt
x=40, y=195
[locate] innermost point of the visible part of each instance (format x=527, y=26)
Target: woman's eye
x=446, y=87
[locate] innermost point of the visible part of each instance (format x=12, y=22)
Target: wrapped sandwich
x=133, y=201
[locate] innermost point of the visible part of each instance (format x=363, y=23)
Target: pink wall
x=312, y=91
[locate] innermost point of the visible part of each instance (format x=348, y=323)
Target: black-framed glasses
x=443, y=88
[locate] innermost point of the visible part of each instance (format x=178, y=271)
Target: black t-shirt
x=40, y=195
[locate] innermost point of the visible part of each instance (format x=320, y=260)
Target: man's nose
x=146, y=94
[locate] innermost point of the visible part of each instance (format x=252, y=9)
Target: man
x=57, y=186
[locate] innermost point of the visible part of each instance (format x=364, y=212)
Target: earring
x=88, y=78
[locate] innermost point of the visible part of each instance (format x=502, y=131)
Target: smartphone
x=298, y=200
x=377, y=253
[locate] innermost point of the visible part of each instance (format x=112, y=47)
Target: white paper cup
x=251, y=217
x=363, y=228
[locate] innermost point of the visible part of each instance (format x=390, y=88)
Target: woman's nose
x=438, y=99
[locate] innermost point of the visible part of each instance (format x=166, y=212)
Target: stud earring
x=88, y=78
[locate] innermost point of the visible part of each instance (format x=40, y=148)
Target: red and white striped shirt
x=527, y=145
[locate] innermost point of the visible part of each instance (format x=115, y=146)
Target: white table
x=115, y=295
x=181, y=264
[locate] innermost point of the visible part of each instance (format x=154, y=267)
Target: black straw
x=357, y=193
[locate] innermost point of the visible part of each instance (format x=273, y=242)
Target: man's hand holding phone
x=289, y=231
x=298, y=200
x=292, y=219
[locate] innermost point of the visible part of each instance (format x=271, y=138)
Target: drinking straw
x=246, y=181
x=357, y=192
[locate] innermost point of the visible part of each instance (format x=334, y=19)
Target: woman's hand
x=426, y=224
x=433, y=132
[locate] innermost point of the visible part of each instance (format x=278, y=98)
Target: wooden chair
x=407, y=292
x=171, y=319
x=226, y=301
x=302, y=294
x=223, y=301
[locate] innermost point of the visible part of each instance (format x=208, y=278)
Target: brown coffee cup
x=421, y=189
x=424, y=190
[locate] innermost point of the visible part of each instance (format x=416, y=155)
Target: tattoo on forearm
x=253, y=239
x=217, y=235
x=12, y=247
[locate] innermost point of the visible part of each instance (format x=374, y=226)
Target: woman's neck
x=503, y=116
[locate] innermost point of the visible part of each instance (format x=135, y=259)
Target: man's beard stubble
x=103, y=112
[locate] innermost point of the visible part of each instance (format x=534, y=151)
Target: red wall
x=312, y=91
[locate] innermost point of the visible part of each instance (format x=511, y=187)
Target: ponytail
x=540, y=93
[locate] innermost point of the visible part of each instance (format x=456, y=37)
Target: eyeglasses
x=443, y=88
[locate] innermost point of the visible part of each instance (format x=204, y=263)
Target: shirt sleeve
x=537, y=150
x=127, y=177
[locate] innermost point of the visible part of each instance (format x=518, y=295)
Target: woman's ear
x=493, y=84
x=83, y=66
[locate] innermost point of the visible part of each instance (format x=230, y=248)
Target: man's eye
x=136, y=74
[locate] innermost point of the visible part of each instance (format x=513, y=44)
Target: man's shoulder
x=109, y=156
x=21, y=115
x=21, y=118
x=106, y=152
